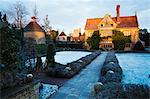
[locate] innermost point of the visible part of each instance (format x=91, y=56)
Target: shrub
x=50, y=54
x=114, y=67
x=39, y=62
x=133, y=91
x=119, y=40
x=138, y=46
x=111, y=91
x=111, y=77
x=94, y=40
x=41, y=48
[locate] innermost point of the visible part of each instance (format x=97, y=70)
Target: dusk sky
x=67, y=15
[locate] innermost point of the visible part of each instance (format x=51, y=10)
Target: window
x=111, y=24
x=101, y=25
x=63, y=38
x=127, y=33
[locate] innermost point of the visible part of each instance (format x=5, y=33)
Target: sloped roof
x=33, y=26
x=62, y=34
x=128, y=21
x=92, y=23
x=125, y=21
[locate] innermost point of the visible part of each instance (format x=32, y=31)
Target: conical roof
x=33, y=26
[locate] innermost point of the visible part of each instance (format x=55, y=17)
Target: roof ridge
x=93, y=18
x=111, y=17
x=125, y=21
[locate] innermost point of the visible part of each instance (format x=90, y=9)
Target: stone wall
x=30, y=91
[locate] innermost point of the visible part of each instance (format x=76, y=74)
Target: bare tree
x=46, y=24
x=18, y=13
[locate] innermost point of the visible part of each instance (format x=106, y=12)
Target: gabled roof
x=62, y=34
x=92, y=23
x=125, y=21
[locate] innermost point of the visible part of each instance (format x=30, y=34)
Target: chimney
x=118, y=13
x=33, y=19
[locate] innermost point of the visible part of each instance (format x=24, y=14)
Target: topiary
x=50, y=54
x=39, y=62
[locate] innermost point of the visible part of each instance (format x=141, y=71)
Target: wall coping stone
x=10, y=92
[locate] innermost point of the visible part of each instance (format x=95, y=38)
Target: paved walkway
x=80, y=86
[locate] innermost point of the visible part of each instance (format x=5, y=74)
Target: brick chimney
x=118, y=13
x=33, y=19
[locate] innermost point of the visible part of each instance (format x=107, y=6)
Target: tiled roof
x=128, y=21
x=62, y=34
x=125, y=21
x=92, y=23
x=33, y=26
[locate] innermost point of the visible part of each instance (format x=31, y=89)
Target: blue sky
x=67, y=15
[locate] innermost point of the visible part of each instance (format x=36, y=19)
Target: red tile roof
x=92, y=23
x=125, y=21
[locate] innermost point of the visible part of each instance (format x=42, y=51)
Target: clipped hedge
x=111, y=64
x=71, y=69
x=111, y=76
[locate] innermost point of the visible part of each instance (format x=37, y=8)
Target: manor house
x=126, y=24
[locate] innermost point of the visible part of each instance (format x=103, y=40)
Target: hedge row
x=110, y=86
x=71, y=69
x=111, y=70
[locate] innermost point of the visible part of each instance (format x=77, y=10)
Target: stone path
x=80, y=86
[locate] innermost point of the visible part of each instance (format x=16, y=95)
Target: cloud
x=69, y=14
x=144, y=18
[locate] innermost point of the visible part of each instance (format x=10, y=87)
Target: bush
x=39, y=62
x=138, y=46
x=111, y=66
x=41, y=48
x=50, y=54
x=111, y=91
x=120, y=40
x=133, y=91
x=111, y=77
x=94, y=40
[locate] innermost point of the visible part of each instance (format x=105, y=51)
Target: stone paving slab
x=80, y=86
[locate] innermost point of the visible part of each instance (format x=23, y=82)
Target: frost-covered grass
x=64, y=57
x=46, y=90
x=136, y=67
